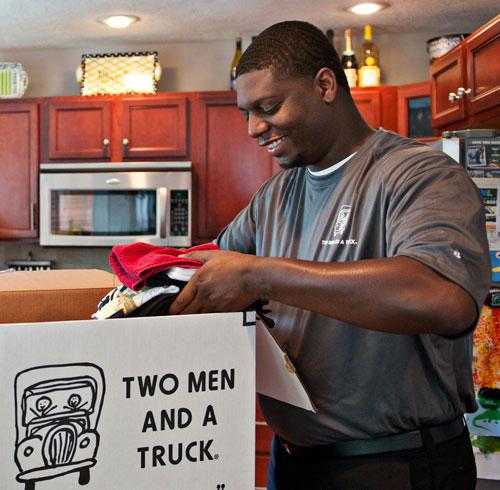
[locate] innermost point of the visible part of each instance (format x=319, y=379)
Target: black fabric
x=157, y=306
x=446, y=466
x=398, y=442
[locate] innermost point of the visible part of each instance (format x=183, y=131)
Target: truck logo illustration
x=57, y=411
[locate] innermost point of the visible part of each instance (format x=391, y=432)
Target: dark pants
x=446, y=466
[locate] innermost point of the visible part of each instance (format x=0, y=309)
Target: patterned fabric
x=122, y=301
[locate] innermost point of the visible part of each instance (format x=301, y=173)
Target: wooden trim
x=405, y=92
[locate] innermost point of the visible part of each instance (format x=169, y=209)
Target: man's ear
x=326, y=82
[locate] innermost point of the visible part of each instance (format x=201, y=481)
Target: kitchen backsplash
x=62, y=257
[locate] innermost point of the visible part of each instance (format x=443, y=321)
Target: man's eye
x=245, y=115
x=270, y=110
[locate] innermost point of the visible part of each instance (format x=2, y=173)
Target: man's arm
x=397, y=294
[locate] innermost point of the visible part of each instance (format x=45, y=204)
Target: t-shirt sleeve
x=436, y=216
x=239, y=235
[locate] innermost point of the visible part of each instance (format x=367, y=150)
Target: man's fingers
x=184, y=299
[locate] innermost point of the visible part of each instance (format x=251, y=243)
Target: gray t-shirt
x=395, y=197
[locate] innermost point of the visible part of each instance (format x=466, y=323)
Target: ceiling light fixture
x=367, y=8
x=119, y=21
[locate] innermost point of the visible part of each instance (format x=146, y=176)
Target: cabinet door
x=483, y=68
x=18, y=168
x=447, y=74
x=228, y=165
x=368, y=102
x=414, y=111
x=153, y=127
x=79, y=129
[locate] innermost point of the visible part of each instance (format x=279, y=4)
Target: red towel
x=135, y=263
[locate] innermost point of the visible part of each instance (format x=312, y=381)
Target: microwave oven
x=104, y=204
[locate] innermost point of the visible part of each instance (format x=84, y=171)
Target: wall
x=204, y=66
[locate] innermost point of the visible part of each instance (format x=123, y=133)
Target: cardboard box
x=164, y=402
x=131, y=403
x=52, y=295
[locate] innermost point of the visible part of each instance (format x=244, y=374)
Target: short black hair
x=292, y=49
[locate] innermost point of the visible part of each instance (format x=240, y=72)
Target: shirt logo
x=341, y=221
x=338, y=230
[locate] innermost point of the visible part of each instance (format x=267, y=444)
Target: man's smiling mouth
x=273, y=144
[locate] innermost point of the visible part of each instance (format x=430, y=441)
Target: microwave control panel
x=179, y=213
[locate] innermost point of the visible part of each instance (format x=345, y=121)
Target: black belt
x=398, y=442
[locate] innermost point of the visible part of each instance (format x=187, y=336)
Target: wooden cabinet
x=482, y=56
x=77, y=128
x=228, y=165
x=18, y=168
x=414, y=115
x=465, y=82
x=115, y=128
x=153, y=127
x=377, y=105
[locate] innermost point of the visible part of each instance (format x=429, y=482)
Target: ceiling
x=30, y=24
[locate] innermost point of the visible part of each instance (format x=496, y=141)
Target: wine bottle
x=349, y=62
x=369, y=71
x=329, y=35
x=236, y=60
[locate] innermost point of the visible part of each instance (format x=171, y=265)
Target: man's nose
x=256, y=126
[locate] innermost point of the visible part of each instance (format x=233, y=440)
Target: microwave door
x=98, y=210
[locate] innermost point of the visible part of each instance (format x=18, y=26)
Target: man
x=371, y=251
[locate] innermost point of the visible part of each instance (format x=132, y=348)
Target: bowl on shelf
x=437, y=46
x=13, y=80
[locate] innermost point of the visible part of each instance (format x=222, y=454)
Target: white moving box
x=138, y=403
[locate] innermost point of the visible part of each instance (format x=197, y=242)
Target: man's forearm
x=398, y=294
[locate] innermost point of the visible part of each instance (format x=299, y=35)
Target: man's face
x=288, y=117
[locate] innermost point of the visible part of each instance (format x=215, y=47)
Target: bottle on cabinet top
x=369, y=71
x=236, y=60
x=349, y=62
x=330, y=34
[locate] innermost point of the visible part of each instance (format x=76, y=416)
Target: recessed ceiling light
x=119, y=21
x=367, y=8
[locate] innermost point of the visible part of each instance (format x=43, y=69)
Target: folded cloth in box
x=135, y=263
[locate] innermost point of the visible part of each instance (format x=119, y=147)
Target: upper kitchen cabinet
x=377, y=105
x=115, y=128
x=18, y=167
x=76, y=129
x=414, y=111
x=465, y=82
x=151, y=127
x=228, y=165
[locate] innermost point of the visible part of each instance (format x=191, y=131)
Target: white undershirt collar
x=331, y=169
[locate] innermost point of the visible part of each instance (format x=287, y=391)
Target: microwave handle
x=162, y=193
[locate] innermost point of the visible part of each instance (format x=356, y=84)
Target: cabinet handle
x=125, y=147
x=113, y=181
x=452, y=97
x=462, y=91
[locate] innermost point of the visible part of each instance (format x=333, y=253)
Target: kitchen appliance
x=104, y=204
x=478, y=150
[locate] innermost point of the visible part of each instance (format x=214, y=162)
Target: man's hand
x=223, y=283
